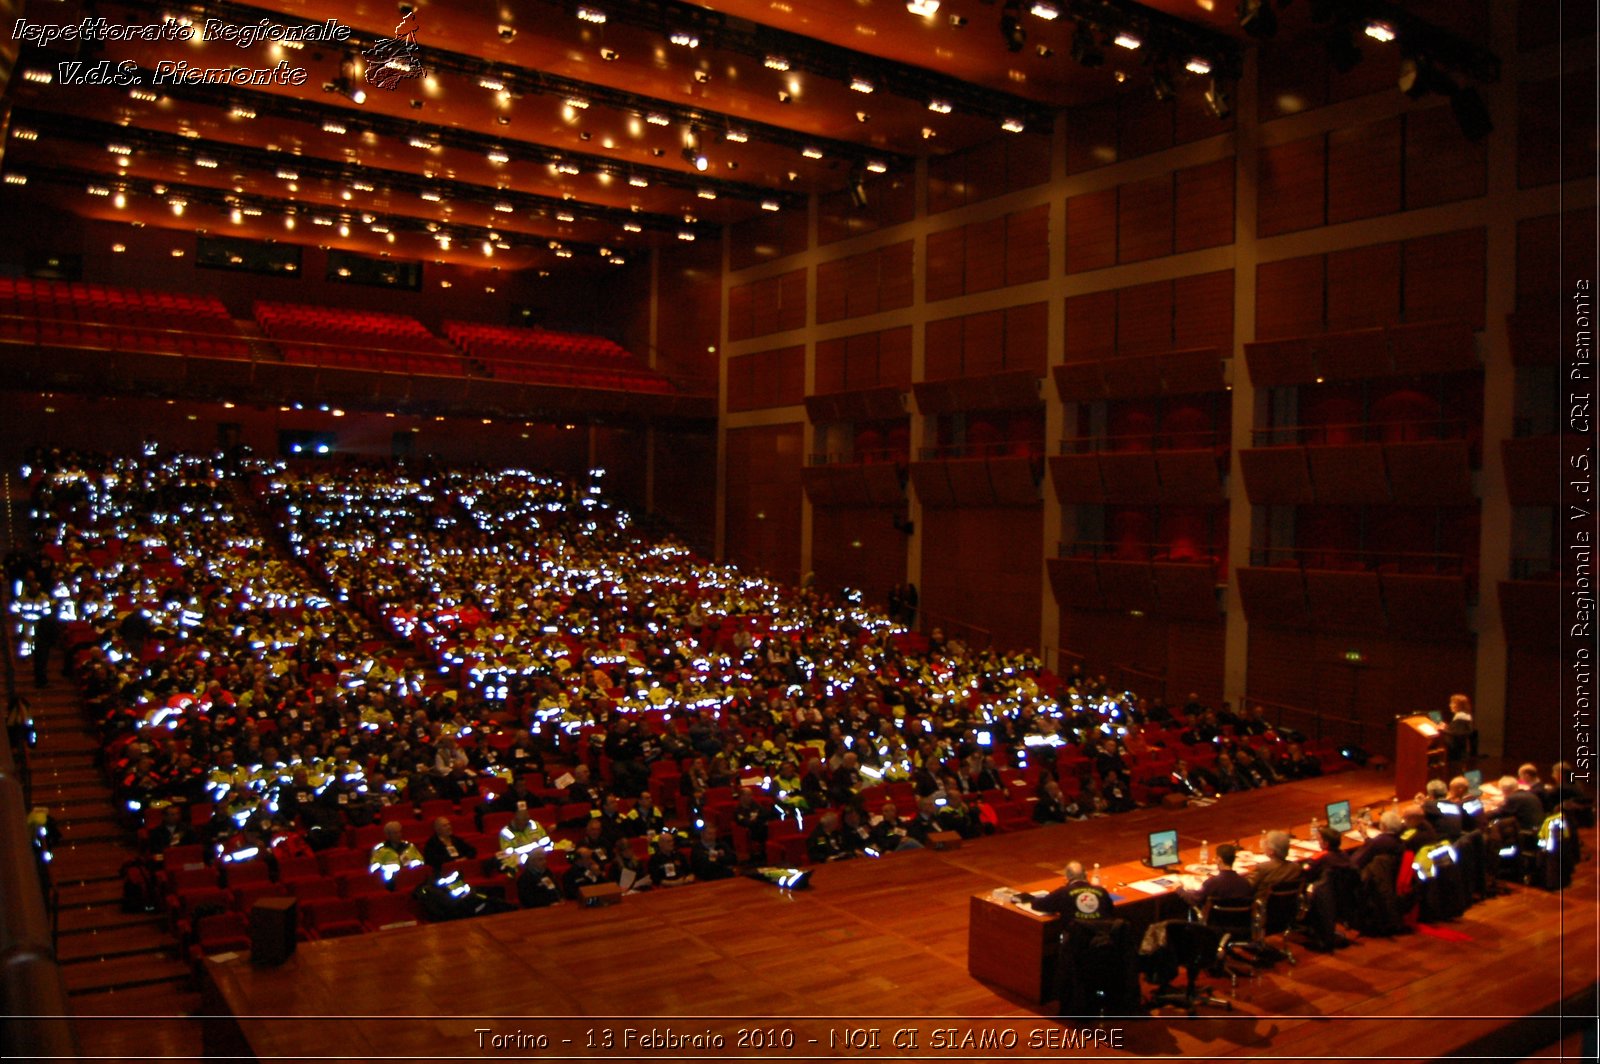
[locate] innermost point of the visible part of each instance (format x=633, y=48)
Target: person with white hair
x=1386, y=841
x=1277, y=871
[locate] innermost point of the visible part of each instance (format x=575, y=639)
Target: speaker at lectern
x=1419, y=754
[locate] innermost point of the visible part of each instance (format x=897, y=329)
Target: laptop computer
x=1474, y=782
x=1339, y=816
x=1163, y=849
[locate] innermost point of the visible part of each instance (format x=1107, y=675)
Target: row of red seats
x=536, y=345
x=433, y=365
x=292, y=321
x=57, y=333
x=630, y=380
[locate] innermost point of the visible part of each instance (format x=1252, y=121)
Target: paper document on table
x=1155, y=886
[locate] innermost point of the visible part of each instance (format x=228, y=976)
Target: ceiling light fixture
x=1013, y=125
x=770, y=205
x=1197, y=65
x=877, y=167
x=778, y=62
x=939, y=106
x=861, y=85
x=1127, y=40
x=684, y=40
x=592, y=14
x=1380, y=31
x=925, y=8
x=1048, y=12
x=811, y=153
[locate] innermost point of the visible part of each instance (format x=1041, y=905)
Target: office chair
x=1235, y=922
x=1196, y=947
x=1096, y=970
x=1278, y=913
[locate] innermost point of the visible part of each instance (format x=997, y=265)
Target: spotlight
x=692, y=156
x=508, y=33
x=1130, y=41
x=1258, y=19
x=858, y=190
x=925, y=8
x=1219, y=99
x=1198, y=65
x=1380, y=31
x=1161, y=83
x=1048, y=12
x=1472, y=114
x=1084, y=51
x=1011, y=26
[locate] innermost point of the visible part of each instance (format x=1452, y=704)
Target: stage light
x=925, y=8
x=1084, y=50
x=592, y=14
x=1048, y=12
x=1219, y=99
x=861, y=85
x=1013, y=125
x=1380, y=31
x=1197, y=65
x=1258, y=19
x=1124, y=39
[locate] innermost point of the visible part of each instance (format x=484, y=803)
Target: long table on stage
x=875, y=939
x=1013, y=947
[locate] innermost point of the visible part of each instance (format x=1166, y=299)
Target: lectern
x=1419, y=754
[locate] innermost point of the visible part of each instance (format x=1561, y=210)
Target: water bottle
x=1205, y=852
x=1094, y=876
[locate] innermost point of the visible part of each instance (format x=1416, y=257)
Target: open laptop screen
x=1163, y=849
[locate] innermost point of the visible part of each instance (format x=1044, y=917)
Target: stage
x=872, y=961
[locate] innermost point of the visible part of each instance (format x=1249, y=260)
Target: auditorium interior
x=471, y=468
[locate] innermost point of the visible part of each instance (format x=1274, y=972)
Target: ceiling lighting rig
x=1169, y=47
x=1433, y=60
x=401, y=131
x=781, y=50
x=340, y=175
x=185, y=200
x=684, y=24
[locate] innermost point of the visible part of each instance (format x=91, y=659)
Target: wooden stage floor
x=877, y=950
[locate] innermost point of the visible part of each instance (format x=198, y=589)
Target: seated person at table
x=443, y=846
x=1077, y=898
x=1387, y=841
x=1331, y=857
x=1523, y=805
x=1225, y=885
x=1448, y=822
x=1417, y=832
x=1563, y=793
x=827, y=842
x=1277, y=870
x=536, y=887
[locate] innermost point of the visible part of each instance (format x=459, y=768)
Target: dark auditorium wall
x=763, y=499
x=1164, y=244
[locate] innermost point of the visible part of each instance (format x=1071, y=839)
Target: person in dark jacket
x=1225, y=885
x=443, y=846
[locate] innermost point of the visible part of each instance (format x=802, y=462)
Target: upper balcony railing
x=1202, y=440
x=998, y=449
x=1411, y=431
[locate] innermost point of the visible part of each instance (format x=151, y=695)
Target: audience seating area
x=445, y=608
x=356, y=339
x=76, y=314
x=537, y=356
